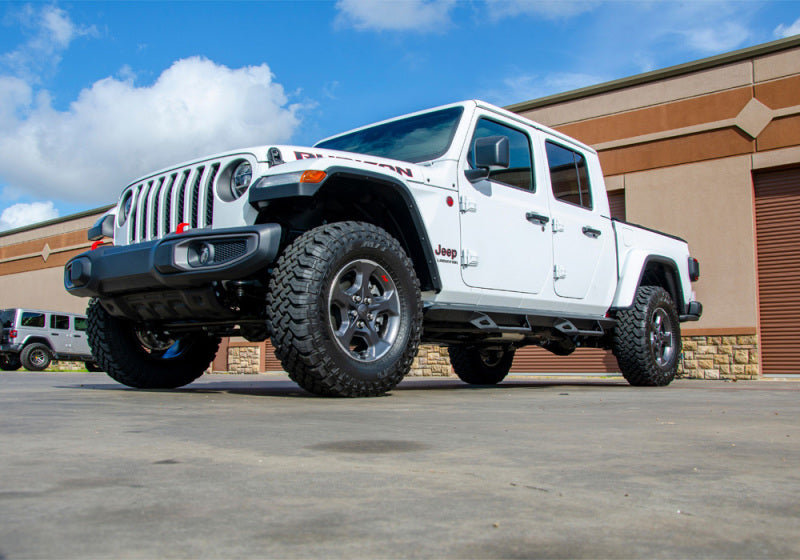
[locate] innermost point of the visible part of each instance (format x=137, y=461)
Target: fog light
x=204, y=254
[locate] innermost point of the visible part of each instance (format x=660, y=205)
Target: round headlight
x=240, y=179
x=125, y=207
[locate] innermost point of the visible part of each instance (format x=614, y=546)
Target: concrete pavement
x=253, y=467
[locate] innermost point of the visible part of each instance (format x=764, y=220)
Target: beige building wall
x=32, y=262
x=683, y=143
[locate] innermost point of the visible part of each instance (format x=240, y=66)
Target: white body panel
x=488, y=252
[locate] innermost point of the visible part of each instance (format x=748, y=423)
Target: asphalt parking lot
x=253, y=467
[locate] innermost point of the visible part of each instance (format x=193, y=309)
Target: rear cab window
x=32, y=319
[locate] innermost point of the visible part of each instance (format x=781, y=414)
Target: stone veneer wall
x=431, y=361
x=720, y=357
x=704, y=357
x=244, y=359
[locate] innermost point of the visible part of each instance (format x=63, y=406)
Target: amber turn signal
x=312, y=176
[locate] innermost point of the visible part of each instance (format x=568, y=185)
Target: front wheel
x=647, y=339
x=481, y=366
x=345, y=310
x=144, y=358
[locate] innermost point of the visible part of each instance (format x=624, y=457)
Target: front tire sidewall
x=300, y=315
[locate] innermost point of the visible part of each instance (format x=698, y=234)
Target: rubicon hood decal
x=399, y=169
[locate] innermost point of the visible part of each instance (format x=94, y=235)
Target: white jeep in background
x=464, y=225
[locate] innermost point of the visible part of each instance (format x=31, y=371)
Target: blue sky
x=94, y=94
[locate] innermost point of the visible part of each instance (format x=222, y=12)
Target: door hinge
x=557, y=225
x=559, y=272
x=466, y=204
x=469, y=258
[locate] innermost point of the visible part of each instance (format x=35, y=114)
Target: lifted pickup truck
x=464, y=225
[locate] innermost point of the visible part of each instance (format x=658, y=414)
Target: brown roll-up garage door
x=777, y=198
x=533, y=359
x=270, y=362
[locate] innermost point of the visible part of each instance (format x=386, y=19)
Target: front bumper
x=176, y=262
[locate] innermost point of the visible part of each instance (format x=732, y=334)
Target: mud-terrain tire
x=345, y=310
x=479, y=366
x=647, y=339
x=10, y=362
x=36, y=357
x=146, y=359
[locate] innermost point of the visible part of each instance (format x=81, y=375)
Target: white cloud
x=395, y=15
x=525, y=87
x=722, y=37
x=23, y=214
x=116, y=131
x=788, y=31
x=51, y=31
x=548, y=9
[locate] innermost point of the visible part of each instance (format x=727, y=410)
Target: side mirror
x=491, y=152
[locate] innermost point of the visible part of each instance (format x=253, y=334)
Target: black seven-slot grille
x=181, y=196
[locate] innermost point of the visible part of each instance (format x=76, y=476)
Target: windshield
x=413, y=139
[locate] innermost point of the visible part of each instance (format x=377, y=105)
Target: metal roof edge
x=661, y=74
x=59, y=220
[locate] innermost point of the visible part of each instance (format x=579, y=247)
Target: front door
x=505, y=238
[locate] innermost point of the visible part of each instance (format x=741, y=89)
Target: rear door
x=584, y=260
x=60, y=336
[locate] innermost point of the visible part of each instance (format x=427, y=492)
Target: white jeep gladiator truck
x=464, y=225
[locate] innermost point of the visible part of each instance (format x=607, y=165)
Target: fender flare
x=630, y=280
x=396, y=185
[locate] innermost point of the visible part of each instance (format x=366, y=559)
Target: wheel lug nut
x=371, y=317
x=360, y=324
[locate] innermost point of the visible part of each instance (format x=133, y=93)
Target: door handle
x=537, y=218
x=53, y=334
x=591, y=232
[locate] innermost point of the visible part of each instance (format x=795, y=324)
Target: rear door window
x=80, y=323
x=569, y=175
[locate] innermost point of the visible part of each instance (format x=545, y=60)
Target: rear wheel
x=36, y=357
x=345, y=310
x=647, y=339
x=144, y=358
x=481, y=366
x=10, y=362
